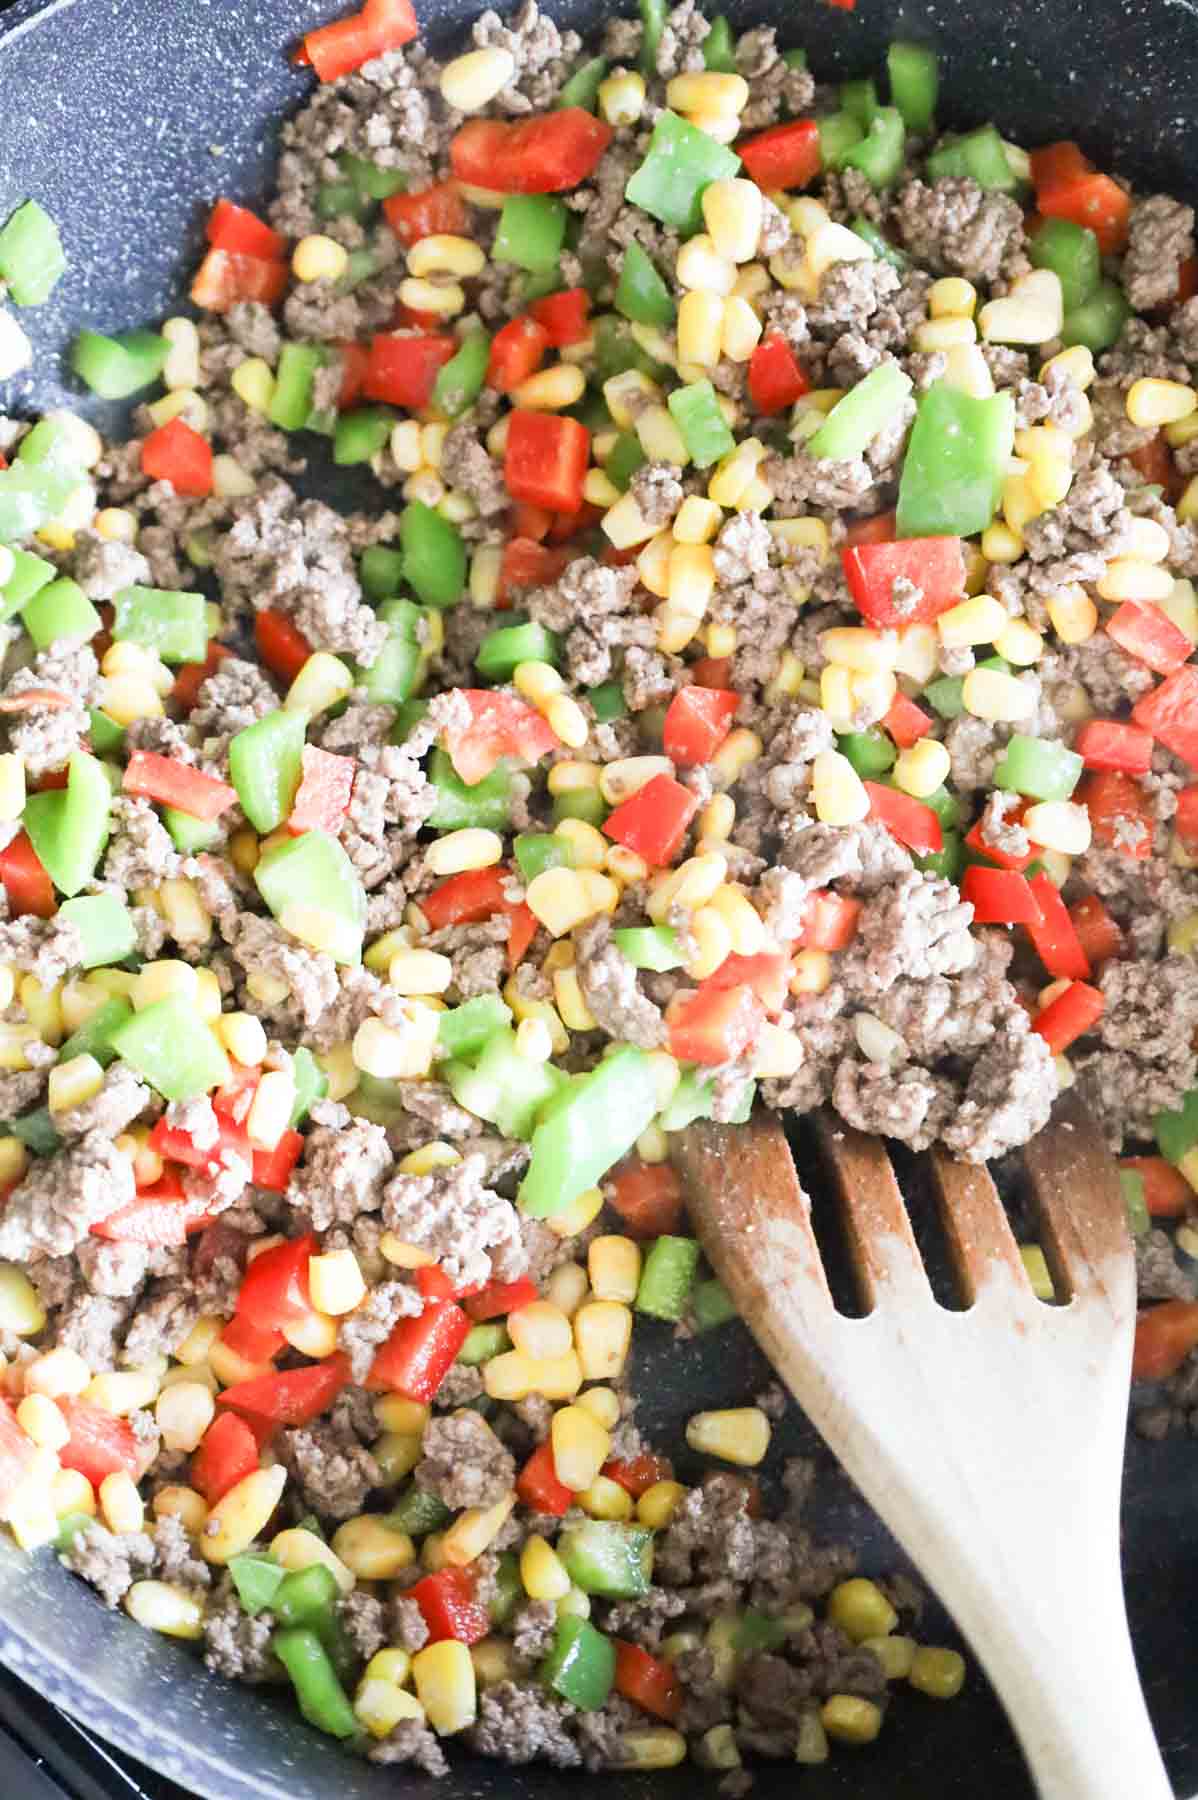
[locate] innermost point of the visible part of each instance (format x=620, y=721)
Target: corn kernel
x=989, y=694
x=568, y=1221
x=707, y=92
x=1062, y=825
x=1031, y=313
x=937, y=1673
x=392, y=1052
x=319, y=258
x=858, y=647
x=922, y=768
x=1019, y=643
x=471, y=848
x=740, y=748
x=658, y=1504
x=581, y=1445
x=976, y=621
x=1072, y=614
x=837, y=790
x=952, y=298
x=445, y=1685
x=655, y=1748
x=298, y=1548
x=1129, y=578
x=733, y=212
x=470, y=82
x=622, y=97
x=443, y=253
x=550, y=390
x=738, y=1434
x=713, y=943
x=845, y=1717
x=120, y=1503
x=861, y=1609
x=1000, y=544
x=1151, y=403
x=167, y=1607
x=602, y=1335
x=542, y=1571
x=700, y=325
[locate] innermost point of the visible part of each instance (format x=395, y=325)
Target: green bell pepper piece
x=712, y=1305
x=464, y=1030
x=581, y=1666
x=361, y=266
x=649, y=946
x=653, y=23
x=704, y=429
x=256, y=1578
x=871, y=752
x=486, y=804
x=311, y=1083
x=37, y=1131
x=319, y=1694
x=417, y=1511
x=380, y=571
x=105, y=925
x=582, y=87
x=537, y=851
x=94, y=1036
x=838, y=132
x=943, y=802
x=980, y=155
x=508, y=1589
x=172, y=1049
x=295, y=377
x=29, y=576
x=459, y=382
x=667, y=1277
x=623, y=460
x=607, y=702
x=1139, y=1220
x=880, y=244
x=956, y=463
x=189, y=834
x=719, y=49
x=1098, y=322
x=370, y=180
x=948, y=861
x=531, y=233
x=856, y=420
x=341, y=200
x=597, y=1122
x=265, y=764
x=361, y=434
x=693, y=1097
x=586, y=804
x=173, y=625
x=60, y=610
x=914, y=84
x=68, y=827
x=408, y=715
x=1041, y=768
x=641, y=294
x=51, y=444
x=401, y=664
x=879, y=155
x=31, y=254
x=313, y=870
x=945, y=696
x=1177, y=1132
x=108, y=738
x=482, y=1342
x=607, y=1558
x=860, y=100
x=616, y=350
x=681, y=162
x=31, y=497
x=307, y=1597
x=501, y=652
x=70, y=1527
x=1071, y=252
x=534, y=284
x=115, y=367
x=434, y=555
x=504, y=1087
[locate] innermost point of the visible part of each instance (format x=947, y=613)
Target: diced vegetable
x=606, y=1558
x=175, y=1052
x=785, y=156
x=934, y=565
x=106, y=926
x=667, y=1277
x=115, y=367
x=68, y=827
x=531, y=232
x=547, y=153
x=1041, y=768
x=857, y=418
x=641, y=294
x=704, y=429
x=956, y=462
x=265, y=763
x=581, y=1665
x=681, y=162
x=173, y=625
x=313, y=873
x=31, y=254
x=588, y=1128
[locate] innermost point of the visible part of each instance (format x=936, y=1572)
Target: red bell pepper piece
x=1170, y=713
x=637, y=1474
x=355, y=359
x=175, y=1145
x=1165, y=1335
x=697, y=721
x=1185, y=819
x=281, y=645
x=1000, y=897
x=427, y=212
x=521, y=931
x=177, y=454
x=1121, y=816
x=1110, y=744
x=402, y=368
x=653, y=822
x=159, y=1215
x=829, y=920
x=322, y=797
x=517, y=351
x=538, y=1486
x=1100, y=937
x=27, y=886
x=1055, y=937
x=272, y=1168
x=527, y=564
x=1059, y=162
x=648, y=1681
x=465, y=899
x=177, y=784
x=712, y=672
x=906, y=722
x=420, y=1352
x=564, y=317
x=767, y=973
x=1003, y=859
x=879, y=528
x=785, y=156
x=776, y=378
x=1149, y=635
x=293, y=1396
x=530, y=522
x=100, y=1443
x=434, y=1283
x=228, y=1452
x=17, y=1454
x=545, y=459
x=499, y=1298
x=648, y=1198
x=1069, y=1016
x=236, y=228
x=546, y=154
x=274, y=1288
x=936, y=565
x=225, y=277
x=192, y=676
x=1069, y=187
x=905, y=818
x=713, y=1028
x=449, y=1607
x=337, y=49
x=1167, y=1193
x=499, y=726
x=250, y=1341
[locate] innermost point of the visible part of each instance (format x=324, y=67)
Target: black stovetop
x=45, y=1755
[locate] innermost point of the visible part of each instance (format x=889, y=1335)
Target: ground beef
x=48, y=732
x=141, y=852
x=522, y=1724
x=533, y=1629
x=342, y=1174
x=802, y=481
x=775, y=89
x=411, y=1741
x=540, y=52
x=362, y=1616
x=47, y=949
x=956, y=228
x=911, y=1104
x=239, y=1647
x=1145, y=1060
x=1009, y=1094
x=468, y=469
x=611, y=990
x=596, y=609
x=59, y=1199
x=916, y=928
x=1159, y=1275
x=103, y=567
x=370, y=1324
x=334, y=1471
x=262, y=948
x=237, y=695
x=464, y=1463
x=405, y=1624
x=175, y=1555
x=452, y=1214
x=657, y=490
x=1160, y=236
x=110, y=1562
x=864, y=857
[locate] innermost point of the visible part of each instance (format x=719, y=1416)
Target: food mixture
x=760, y=672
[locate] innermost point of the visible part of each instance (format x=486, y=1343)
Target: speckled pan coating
x=125, y=117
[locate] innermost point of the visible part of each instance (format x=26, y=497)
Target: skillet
x=125, y=118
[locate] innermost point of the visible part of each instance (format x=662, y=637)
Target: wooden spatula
x=989, y=1440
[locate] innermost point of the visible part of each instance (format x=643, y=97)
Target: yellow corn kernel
x=627, y=394
x=41, y=1420
x=123, y=1391
x=116, y=524
x=445, y=1686
x=1000, y=544
x=706, y=92
x=745, y=925
x=614, y=1268
x=660, y=437
x=120, y=1503
x=270, y=1112
x=713, y=941
x=1129, y=578
x=567, y=1288
x=692, y=885
x=1019, y=643
x=566, y=718
x=597, y=490
x=230, y=1367
x=12, y=786
x=622, y=97
x=573, y=1010
x=540, y=1330
x=512, y=1376
x=13, y=1042
x=581, y=1446
x=253, y=382
x=602, y=1335
x=845, y=1717
x=442, y=253
x=323, y=681
x=448, y=298
x=967, y=369
x=1072, y=614
x=625, y=865
x=697, y=521
x=837, y=791
x=393, y=1665
x=183, y=403
x=470, y=82
x=778, y=1053
x=534, y=1040
x=1146, y=541
x=471, y=848
x=189, y=920
x=675, y=629
x=989, y=694
x=299, y=1548
x=493, y=1661
x=71, y=1083
x=243, y=1036
x=937, y=1673
x=549, y=390
x=701, y=269
x=568, y=1221
x=753, y=283
x=858, y=647
x=393, y=1052
x=656, y=1747
x=426, y=485
x=1020, y=502
x=396, y=1455
x=625, y=525
x=734, y=473
x=526, y=1008
x=1060, y=825
x=944, y=334
x=975, y=621
x=71, y=1492
x=167, y=1607
x=700, y=324
x=740, y=748
x=1151, y=403
x=380, y=1706
x=336, y=1282
x=922, y=768
x=199, y=1340
x=658, y=1504
x=1187, y=506
x=606, y=1499
x=739, y=1434
x=560, y=899
x=371, y=1549
x=1031, y=313
x=861, y=1609
x=43, y=1008
x=183, y=1413
x=952, y=298
x=733, y=211
x=319, y=258
x=1182, y=431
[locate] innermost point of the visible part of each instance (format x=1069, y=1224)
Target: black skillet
x=124, y=117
